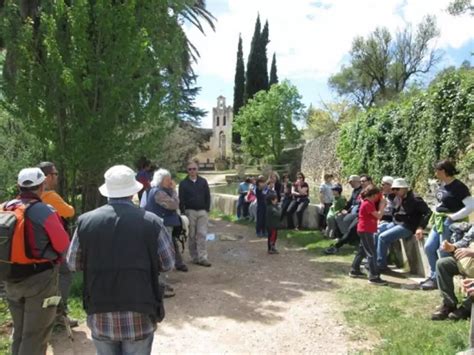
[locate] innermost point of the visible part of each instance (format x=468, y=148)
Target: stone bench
x=409, y=255
x=227, y=204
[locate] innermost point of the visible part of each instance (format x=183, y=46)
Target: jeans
x=126, y=347
x=432, y=245
x=366, y=249
x=298, y=206
x=388, y=233
x=260, y=223
x=242, y=206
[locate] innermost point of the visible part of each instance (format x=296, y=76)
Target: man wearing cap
x=32, y=287
x=410, y=216
x=65, y=210
x=121, y=249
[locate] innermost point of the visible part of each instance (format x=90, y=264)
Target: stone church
x=219, y=147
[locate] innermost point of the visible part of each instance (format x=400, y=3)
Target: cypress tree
x=273, y=72
x=262, y=59
x=251, y=82
x=239, y=86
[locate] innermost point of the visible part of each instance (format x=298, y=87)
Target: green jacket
x=273, y=216
x=337, y=206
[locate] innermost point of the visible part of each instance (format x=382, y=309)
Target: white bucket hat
x=387, y=180
x=400, y=184
x=30, y=177
x=120, y=182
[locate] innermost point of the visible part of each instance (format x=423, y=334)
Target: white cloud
x=311, y=41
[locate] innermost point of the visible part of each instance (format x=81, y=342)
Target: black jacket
x=194, y=195
x=354, y=200
x=119, y=246
x=412, y=213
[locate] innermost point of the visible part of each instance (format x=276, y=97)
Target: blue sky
x=312, y=39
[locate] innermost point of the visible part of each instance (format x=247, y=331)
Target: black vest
x=119, y=245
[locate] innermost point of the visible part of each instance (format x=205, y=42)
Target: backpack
x=12, y=223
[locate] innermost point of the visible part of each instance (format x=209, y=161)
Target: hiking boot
x=429, y=285
x=331, y=251
x=378, y=282
x=182, y=268
x=460, y=313
x=442, y=313
x=204, y=263
x=356, y=274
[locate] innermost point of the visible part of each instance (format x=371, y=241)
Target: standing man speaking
x=195, y=202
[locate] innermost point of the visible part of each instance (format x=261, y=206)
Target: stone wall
x=319, y=158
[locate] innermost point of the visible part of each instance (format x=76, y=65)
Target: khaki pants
x=197, y=234
x=32, y=324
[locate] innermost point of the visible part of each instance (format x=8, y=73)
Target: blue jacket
x=170, y=217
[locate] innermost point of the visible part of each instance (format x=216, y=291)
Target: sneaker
x=429, y=285
x=424, y=281
x=275, y=251
x=331, y=251
x=378, y=281
x=460, y=313
x=271, y=252
x=182, y=268
x=442, y=313
x=204, y=263
x=385, y=270
x=356, y=274
x=169, y=293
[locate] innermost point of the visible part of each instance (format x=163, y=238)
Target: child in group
x=337, y=206
x=366, y=228
x=273, y=215
x=261, y=207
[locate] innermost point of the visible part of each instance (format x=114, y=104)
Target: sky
x=312, y=39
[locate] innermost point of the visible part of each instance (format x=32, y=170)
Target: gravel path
x=247, y=302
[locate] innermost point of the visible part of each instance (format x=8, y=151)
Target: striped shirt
x=124, y=325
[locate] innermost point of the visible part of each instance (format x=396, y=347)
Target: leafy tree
x=108, y=79
x=267, y=122
x=381, y=66
x=273, y=71
x=239, y=86
x=328, y=119
x=459, y=7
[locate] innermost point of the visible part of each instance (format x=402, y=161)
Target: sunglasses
x=192, y=169
x=364, y=181
x=396, y=189
x=55, y=174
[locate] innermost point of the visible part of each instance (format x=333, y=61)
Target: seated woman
x=300, y=193
x=164, y=202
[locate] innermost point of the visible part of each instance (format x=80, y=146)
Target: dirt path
x=247, y=302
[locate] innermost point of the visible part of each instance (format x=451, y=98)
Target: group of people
x=373, y=218
x=123, y=291
x=120, y=247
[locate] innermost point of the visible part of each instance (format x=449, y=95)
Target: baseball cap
x=30, y=177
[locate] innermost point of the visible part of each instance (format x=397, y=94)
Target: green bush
x=406, y=137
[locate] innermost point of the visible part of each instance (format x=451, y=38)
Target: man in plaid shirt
x=121, y=250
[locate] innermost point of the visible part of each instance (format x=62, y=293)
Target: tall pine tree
x=273, y=71
x=239, y=86
x=251, y=83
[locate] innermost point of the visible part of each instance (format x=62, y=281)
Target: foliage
x=267, y=122
x=459, y=7
x=406, y=137
x=273, y=71
x=239, y=86
x=326, y=120
x=109, y=79
x=19, y=149
x=381, y=66
x=257, y=72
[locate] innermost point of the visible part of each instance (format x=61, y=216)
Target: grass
x=215, y=214
x=394, y=319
